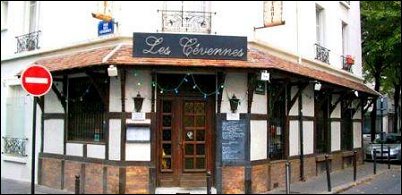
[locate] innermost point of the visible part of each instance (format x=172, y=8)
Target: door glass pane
x=200, y=149
x=188, y=108
x=189, y=163
x=166, y=163
x=189, y=135
x=200, y=135
x=189, y=149
x=199, y=108
x=167, y=135
x=167, y=121
x=167, y=149
x=167, y=107
x=200, y=121
x=200, y=164
x=188, y=121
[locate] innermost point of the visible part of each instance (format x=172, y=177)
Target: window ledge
x=15, y=159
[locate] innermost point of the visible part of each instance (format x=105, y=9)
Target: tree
x=381, y=45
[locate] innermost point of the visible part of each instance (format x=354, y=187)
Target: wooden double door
x=184, y=140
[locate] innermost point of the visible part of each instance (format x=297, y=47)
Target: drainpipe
x=301, y=135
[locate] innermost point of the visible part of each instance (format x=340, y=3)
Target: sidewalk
x=340, y=180
x=9, y=186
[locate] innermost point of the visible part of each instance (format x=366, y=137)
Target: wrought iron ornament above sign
x=162, y=45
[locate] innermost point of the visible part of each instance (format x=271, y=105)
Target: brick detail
x=112, y=180
x=51, y=173
x=93, y=178
x=309, y=167
x=233, y=180
x=71, y=169
x=137, y=180
x=260, y=178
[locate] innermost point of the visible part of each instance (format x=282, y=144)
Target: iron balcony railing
x=186, y=21
x=28, y=42
x=321, y=53
x=15, y=146
x=345, y=65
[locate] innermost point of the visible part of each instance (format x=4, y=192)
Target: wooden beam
x=98, y=89
x=251, y=84
x=294, y=98
x=221, y=81
x=368, y=106
x=154, y=88
x=332, y=107
x=357, y=108
x=61, y=98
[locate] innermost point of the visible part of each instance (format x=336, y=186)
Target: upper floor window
x=33, y=12
x=344, y=38
x=4, y=14
x=319, y=15
x=186, y=16
x=273, y=13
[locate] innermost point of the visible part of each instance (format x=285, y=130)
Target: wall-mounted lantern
x=138, y=102
x=112, y=71
x=234, y=102
x=317, y=86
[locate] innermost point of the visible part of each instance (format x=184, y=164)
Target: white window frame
x=4, y=15
x=345, y=38
x=29, y=18
x=320, y=25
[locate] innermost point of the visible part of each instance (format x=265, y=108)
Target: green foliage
x=381, y=41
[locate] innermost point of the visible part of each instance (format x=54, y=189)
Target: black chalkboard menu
x=233, y=136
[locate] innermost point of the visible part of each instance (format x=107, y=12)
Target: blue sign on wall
x=105, y=28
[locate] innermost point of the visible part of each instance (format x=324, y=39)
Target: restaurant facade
x=136, y=114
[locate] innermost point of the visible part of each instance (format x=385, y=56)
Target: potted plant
x=350, y=60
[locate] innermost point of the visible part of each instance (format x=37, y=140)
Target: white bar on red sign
x=36, y=80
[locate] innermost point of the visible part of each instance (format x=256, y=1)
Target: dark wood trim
x=258, y=117
x=251, y=84
x=41, y=103
x=85, y=150
x=304, y=118
x=357, y=108
x=42, y=132
x=49, y=116
x=154, y=88
x=287, y=124
x=126, y=115
x=221, y=81
x=248, y=188
x=65, y=92
x=333, y=106
x=60, y=97
x=95, y=160
x=357, y=120
x=82, y=179
x=297, y=157
x=335, y=119
x=297, y=95
x=122, y=180
x=98, y=89
x=301, y=130
x=152, y=180
x=260, y=162
x=123, y=116
x=104, y=180
x=62, y=174
x=368, y=106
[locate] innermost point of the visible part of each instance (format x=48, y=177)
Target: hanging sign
x=105, y=28
x=163, y=45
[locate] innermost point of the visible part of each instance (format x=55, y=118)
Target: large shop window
x=322, y=144
x=276, y=113
x=346, y=127
x=86, y=111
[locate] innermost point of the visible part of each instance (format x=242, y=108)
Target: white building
x=302, y=45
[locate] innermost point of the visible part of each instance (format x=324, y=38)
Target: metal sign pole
x=33, y=146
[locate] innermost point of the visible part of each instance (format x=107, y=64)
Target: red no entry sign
x=36, y=80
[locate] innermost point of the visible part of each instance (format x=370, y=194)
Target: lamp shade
x=138, y=102
x=234, y=102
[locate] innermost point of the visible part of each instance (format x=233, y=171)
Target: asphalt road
x=387, y=183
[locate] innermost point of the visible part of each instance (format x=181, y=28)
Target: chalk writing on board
x=233, y=140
